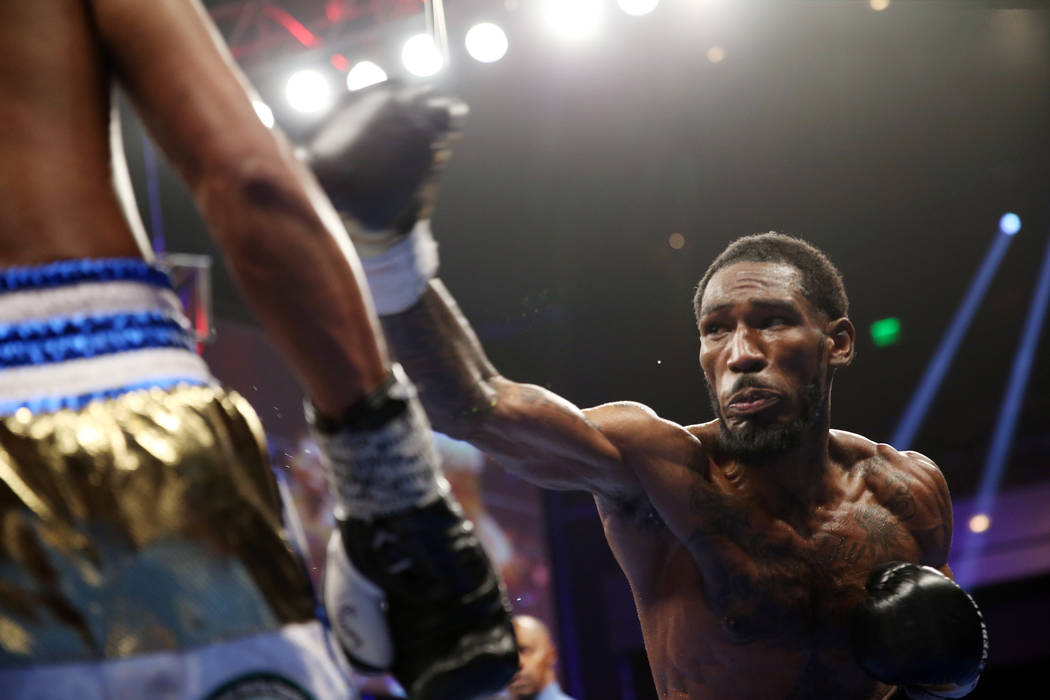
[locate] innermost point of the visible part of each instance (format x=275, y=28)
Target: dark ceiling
x=894, y=140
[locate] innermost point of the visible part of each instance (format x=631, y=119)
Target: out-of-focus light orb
x=638, y=8
x=421, y=56
x=676, y=241
x=980, y=523
x=363, y=74
x=265, y=113
x=716, y=54
x=573, y=19
x=1010, y=223
x=879, y=5
x=308, y=91
x=486, y=42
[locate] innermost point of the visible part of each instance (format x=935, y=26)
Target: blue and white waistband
x=79, y=330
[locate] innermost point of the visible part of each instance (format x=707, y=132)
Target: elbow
x=243, y=196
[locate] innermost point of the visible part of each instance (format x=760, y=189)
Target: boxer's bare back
x=55, y=172
x=62, y=59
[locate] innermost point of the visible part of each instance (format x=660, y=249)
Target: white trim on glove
x=357, y=611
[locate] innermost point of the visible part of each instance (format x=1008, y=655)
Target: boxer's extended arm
x=528, y=429
x=264, y=209
x=378, y=157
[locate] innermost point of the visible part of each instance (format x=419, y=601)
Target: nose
x=745, y=355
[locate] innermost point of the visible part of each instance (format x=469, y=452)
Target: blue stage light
x=1002, y=440
x=942, y=358
x=1010, y=223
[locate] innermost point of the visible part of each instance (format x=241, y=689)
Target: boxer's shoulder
x=909, y=484
x=879, y=461
x=647, y=442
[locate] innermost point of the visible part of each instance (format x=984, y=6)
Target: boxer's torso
x=55, y=163
x=740, y=600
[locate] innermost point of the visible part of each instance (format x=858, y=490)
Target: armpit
x=638, y=512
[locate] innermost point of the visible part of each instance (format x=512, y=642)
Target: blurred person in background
x=536, y=678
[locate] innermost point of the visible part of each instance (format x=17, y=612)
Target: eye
x=714, y=328
x=773, y=321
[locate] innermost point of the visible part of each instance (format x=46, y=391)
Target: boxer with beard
x=769, y=555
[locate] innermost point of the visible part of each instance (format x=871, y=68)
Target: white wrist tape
x=399, y=275
x=386, y=468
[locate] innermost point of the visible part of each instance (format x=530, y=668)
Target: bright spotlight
x=638, y=7
x=979, y=523
x=1010, y=223
x=573, y=19
x=486, y=42
x=421, y=56
x=308, y=91
x=264, y=112
x=363, y=74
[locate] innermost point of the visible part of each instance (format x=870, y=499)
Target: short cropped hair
x=822, y=283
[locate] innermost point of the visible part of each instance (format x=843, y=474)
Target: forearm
x=439, y=350
x=295, y=268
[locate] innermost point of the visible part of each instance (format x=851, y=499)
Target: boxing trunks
x=143, y=552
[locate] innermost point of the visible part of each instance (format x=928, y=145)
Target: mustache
x=748, y=382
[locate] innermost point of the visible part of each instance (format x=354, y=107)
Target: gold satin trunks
x=138, y=517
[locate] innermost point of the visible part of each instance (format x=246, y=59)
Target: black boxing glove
x=377, y=156
x=408, y=586
x=918, y=629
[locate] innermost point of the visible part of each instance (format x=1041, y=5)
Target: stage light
x=716, y=54
x=885, y=332
x=264, y=112
x=486, y=42
x=638, y=8
x=1009, y=411
x=879, y=5
x=676, y=241
x=573, y=19
x=942, y=358
x=363, y=74
x=421, y=56
x=308, y=91
x=979, y=523
x=1010, y=223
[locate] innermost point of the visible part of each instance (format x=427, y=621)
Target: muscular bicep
x=933, y=521
x=547, y=440
x=170, y=59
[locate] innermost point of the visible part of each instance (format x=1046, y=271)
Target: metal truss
x=254, y=29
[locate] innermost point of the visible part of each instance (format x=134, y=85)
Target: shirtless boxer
x=143, y=552
x=769, y=555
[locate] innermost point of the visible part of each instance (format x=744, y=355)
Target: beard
x=757, y=442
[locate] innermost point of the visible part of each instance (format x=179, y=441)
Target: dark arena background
x=607, y=159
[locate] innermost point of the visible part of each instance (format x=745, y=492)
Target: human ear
x=841, y=336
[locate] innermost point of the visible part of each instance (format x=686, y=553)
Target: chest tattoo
x=767, y=579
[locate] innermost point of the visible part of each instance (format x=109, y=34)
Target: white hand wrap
x=386, y=468
x=398, y=276
x=357, y=611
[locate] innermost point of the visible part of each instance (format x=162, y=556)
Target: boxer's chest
x=766, y=576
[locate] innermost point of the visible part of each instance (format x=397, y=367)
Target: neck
x=793, y=479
